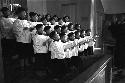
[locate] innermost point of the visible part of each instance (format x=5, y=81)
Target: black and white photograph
x=62, y=41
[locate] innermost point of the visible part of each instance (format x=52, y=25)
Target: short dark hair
x=32, y=14
x=57, y=27
x=63, y=28
x=52, y=18
x=76, y=32
x=19, y=10
x=88, y=30
x=62, y=34
x=60, y=19
x=47, y=28
x=3, y=9
x=38, y=26
x=70, y=24
x=43, y=18
x=70, y=34
x=65, y=17
x=52, y=34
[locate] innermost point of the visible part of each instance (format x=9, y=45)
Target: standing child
x=40, y=47
x=57, y=55
x=91, y=43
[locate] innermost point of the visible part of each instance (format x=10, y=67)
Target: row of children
x=53, y=40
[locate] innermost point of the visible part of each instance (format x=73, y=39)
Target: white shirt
x=33, y=24
x=91, y=43
x=38, y=41
x=81, y=47
x=6, y=28
x=67, y=23
x=71, y=51
x=22, y=35
x=57, y=50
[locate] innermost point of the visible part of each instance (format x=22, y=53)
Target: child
x=33, y=17
x=57, y=28
x=63, y=38
x=77, y=59
x=91, y=43
x=57, y=55
x=23, y=36
x=40, y=47
x=82, y=47
x=72, y=51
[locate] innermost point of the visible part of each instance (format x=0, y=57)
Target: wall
x=81, y=12
x=38, y=6
x=114, y=6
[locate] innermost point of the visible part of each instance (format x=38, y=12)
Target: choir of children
x=57, y=43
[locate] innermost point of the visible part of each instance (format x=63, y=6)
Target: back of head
x=52, y=34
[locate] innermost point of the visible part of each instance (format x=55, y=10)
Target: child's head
x=66, y=19
x=71, y=36
x=21, y=12
x=88, y=32
x=60, y=21
x=39, y=28
x=82, y=34
x=5, y=11
x=57, y=28
x=48, y=16
x=55, y=17
x=44, y=21
x=54, y=36
x=47, y=29
x=52, y=21
x=64, y=29
x=77, y=34
x=33, y=16
x=70, y=27
x=63, y=37
x=77, y=27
